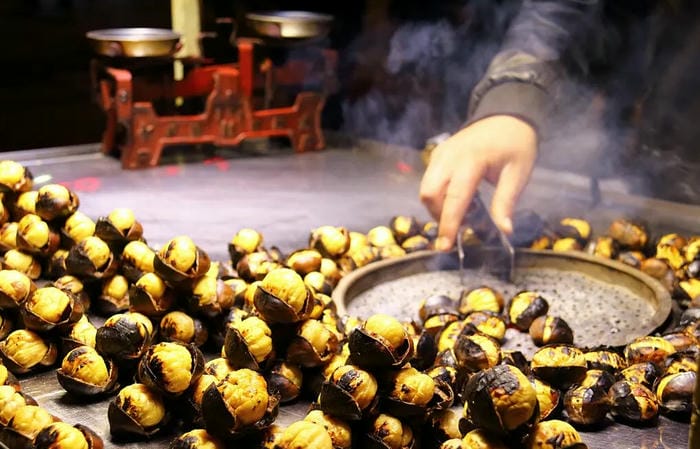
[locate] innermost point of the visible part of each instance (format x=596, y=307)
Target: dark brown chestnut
x=151, y=296
x=548, y=329
x=675, y=393
x=287, y=379
x=586, y=406
x=524, y=307
x=124, y=336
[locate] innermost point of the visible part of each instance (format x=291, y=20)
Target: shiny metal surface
x=210, y=195
x=290, y=24
x=134, y=42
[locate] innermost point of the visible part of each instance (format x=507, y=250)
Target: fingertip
x=443, y=243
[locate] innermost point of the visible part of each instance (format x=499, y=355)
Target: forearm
x=519, y=80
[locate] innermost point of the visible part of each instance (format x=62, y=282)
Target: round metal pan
x=605, y=302
x=293, y=25
x=134, y=42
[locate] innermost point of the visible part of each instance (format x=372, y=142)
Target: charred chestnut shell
x=675, y=393
x=36, y=237
x=597, y=378
x=606, y=360
x=632, y=402
x=210, y=297
x=136, y=411
x=180, y=261
x=548, y=398
x=648, y=349
x=425, y=351
x=586, y=406
x=287, y=379
x=170, y=367
x=645, y=373
x=436, y=305
x=414, y=394
x=487, y=323
x=228, y=411
x=84, y=372
x=388, y=432
x=492, y=397
x=196, y=439
x=124, y=336
x=404, y=227
x=477, y=352
x=56, y=201
x=150, y=296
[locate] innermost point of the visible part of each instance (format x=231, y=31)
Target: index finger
x=459, y=195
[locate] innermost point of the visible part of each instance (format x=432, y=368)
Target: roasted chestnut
x=349, y=393
x=444, y=425
x=5, y=325
x=477, y=352
x=413, y=393
x=648, y=349
x=137, y=259
x=56, y=265
x=255, y=266
x=245, y=241
x=248, y=344
x=25, y=425
x=193, y=399
x=454, y=443
x=77, y=228
x=180, y=327
x=691, y=289
x=436, y=305
x=24, y=204
x=170, y=367
x=501, y=400
x=555, y=434
x=210, y=297
x=14, y=177
x=74, y=287
x=119, y=227
x=681, y=362
x=330, y=270
x=180, y=260
x=8, y=236
x=632, y=258
x=448, y=335
x=239, y=405
x=606, y=360
x=586, y=406
x=415, y=243
x=478, y=438
x=114, y=297
x=567, y=244
x=124, y=336
x=136, y=411
x=547, y=329
x=196, y=439
x=151, y=296
x=645, y=373
x=286, y=379
x=388, y=432
x=91, y=257
x=487, y=323
x=671, y=254
x=603, y=246
x=339, y=431
x=304, y=434
x=560, y=365
x=304, y=261
x=10, y=401
x=56, y=201
x=282, y=297
x=517, y=359
x=548, y=398
x=25, y=263
x=576, y=228
x=633, y=402
x=49, y=307
x=380, y=236
x=24, y=351
x=34, y=236
x=84, y=372
x=524, y=307
x=629, y=235
x=15, y=288
x=219, y=367
x=381, y=342
x=7, y=378
x=331, y=241
x=313, y=345
x=317, y=282
x=404, y=227
x=675, y=393
x=661, y=270
x=597, y=378
x=481, y=299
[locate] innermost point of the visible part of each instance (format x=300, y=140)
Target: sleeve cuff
x=525, y=101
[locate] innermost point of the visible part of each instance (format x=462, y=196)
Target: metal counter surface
x=284, y=196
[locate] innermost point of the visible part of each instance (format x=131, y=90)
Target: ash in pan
x=598, y=313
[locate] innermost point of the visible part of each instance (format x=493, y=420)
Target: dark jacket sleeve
x=544, y=37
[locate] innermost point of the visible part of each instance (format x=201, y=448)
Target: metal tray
x=605, y=302
x=134, y=42
x=295, y=25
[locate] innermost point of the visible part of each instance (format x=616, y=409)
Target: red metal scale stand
x=139, y=134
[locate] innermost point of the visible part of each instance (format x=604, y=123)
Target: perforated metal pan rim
x=604, y=270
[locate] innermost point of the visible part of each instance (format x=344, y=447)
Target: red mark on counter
x=220, y=163
x=173, y=170
x=87, y=184
x=403, y=167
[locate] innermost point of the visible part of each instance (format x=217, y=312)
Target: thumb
x=511, y=183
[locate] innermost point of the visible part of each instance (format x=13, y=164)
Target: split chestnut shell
x=170, y=367
x=84, y=372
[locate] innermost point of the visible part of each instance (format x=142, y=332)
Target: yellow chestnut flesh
x=388, y=328
x=122, y=219
x=151, y=283
x=79, y=227
x=257, y=335
x=414, y=387
x=10, y=401
x=33, y=230
x=96, y=250
x=140, y=403
x=24, y=347
x=49, y=303
x=287, y=285
x=11, y=173
x=85, y=364
x=305, y=435
x=61, y=435
x=180, y=253
x=173, y=363
x=245, y=393
x=140, y=255
x=360, y=384
x=28, y=420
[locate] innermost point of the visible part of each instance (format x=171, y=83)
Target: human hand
x=501, y=149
